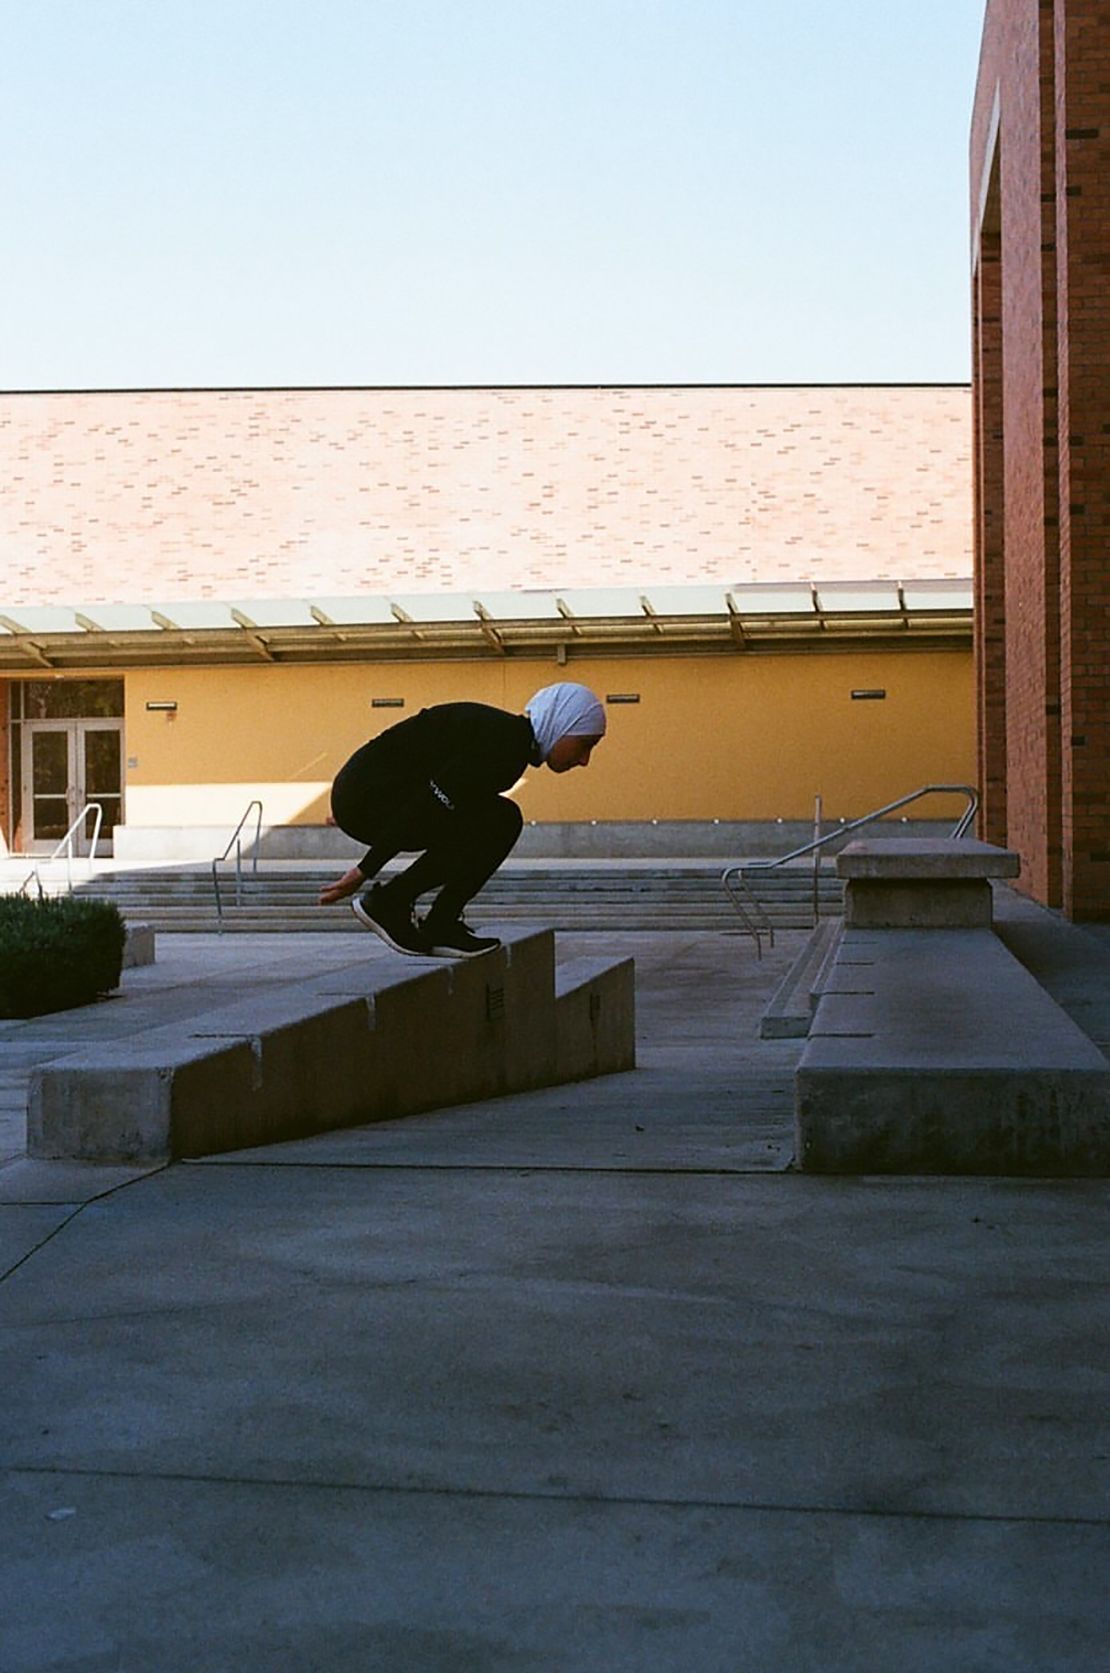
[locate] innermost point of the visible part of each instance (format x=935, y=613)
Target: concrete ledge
x=924, y=883
x=139, y=946
x=141, y=1102
x=368, y=1043
x=926, y=859
x=962, y=903
x=595, y=1018
x=790, y=1012
x=936, y=1052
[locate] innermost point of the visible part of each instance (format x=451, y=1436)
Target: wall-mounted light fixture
x=387, y=702
x=167, y=708
x=868, y=696
x=622, y=696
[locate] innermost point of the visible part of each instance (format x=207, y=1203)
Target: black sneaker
x=456, y=940
x=391, y=921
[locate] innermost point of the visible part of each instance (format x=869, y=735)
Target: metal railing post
x=66, y=844
x=236, y=843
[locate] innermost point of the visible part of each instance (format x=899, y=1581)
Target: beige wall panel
x=280, y=733
x=723, y=737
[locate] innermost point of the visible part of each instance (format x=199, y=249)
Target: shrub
x=55, y=954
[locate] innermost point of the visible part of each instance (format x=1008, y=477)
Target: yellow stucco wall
x=719, y=737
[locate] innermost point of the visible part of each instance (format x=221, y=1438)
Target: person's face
x=571, y=752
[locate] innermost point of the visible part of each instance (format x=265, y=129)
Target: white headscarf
x=565, y=710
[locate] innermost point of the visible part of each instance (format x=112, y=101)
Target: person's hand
x=349, y=884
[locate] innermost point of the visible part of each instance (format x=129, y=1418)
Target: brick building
x=211, y=596
x=1040, y=208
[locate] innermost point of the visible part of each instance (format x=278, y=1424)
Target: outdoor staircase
x=573, y=896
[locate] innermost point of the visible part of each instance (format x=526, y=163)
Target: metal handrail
x=960, y=829
x=753, y=908
x=238, y=847
x=34, y=876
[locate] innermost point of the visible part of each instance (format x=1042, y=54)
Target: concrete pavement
x=585, y=1380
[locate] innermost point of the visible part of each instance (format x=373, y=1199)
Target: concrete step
x=571, y=896
x=790, y=1011
x=244, y=921
x=290, y=895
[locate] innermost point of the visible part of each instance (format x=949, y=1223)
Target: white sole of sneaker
x=455, y=952
x=382, y=933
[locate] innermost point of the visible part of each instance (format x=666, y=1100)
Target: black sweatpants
x=432, y=785
x=457, y=849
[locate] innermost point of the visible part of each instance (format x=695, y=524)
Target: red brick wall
x=1082, y=73
x=1033, y=585
x=990, y=582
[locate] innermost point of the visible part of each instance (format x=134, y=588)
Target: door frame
x=76, y=789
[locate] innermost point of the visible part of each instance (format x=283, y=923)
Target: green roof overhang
x=680, y=621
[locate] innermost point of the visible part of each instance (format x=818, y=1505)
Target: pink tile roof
x=157, y=495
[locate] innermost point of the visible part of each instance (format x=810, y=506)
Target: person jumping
x=432, y=785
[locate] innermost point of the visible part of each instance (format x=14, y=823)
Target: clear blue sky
x=234, y=192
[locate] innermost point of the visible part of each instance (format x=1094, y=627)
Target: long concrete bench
x=932, y=1050
x=362, y=1044
x=937, y=1052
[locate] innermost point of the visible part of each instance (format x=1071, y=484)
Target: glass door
x=66, y=765
x=47, y=781
x=100, y=778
